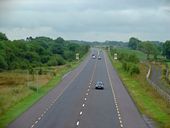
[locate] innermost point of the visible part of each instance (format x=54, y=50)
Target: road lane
x=65, y=111
x=131, y=117
x=30, y=117
x=75, y=103
x=100, y=110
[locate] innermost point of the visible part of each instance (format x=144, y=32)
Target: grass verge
x=26, y=102
x=146, y=99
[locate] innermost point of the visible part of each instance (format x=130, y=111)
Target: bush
x=60, y=60
x=40, y=71
x=52, y=61
x=33, y=88
x=134, y=69
x=133, y=58
x=3, y=63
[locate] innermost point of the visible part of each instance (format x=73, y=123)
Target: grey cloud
x=97, y=19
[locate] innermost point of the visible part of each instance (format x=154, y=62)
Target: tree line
x=37, y=52
x=128, y=61
x=150, y=47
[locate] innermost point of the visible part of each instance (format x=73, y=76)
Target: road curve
x=75, y=103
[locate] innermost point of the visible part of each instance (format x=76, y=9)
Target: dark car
x=99, y=58
x=99, y=85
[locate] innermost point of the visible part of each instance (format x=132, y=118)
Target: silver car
x=99, y=85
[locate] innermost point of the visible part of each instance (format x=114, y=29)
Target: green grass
x=18, y=108
x=139, y=54
x=147, y=100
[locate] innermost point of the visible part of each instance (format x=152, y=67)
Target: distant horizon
x=80, y=39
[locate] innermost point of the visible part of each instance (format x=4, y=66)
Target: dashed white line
x=85, y=98
x=87, y=94
x=83, y=105
x=36, y=122
x=77, y=123
x=32, y=126
x=121, y=125
x=81, y=113
x=39, y=118
x=88, y=90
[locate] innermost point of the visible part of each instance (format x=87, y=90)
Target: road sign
x=77, y=56
x=115, y=56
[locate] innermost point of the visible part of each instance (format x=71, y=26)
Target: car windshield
x=99, y=83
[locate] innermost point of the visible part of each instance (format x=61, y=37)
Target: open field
x=147, y=100
x=142, y=56
x=13, y=87
x=139, y=54
x=18, y=91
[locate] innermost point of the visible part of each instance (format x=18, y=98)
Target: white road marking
x=32, y=126
x=36, y=122
x=85, y=98
x=81, y=113
x=39, y=118
x=60, y=95
x=88, y=90
x=114, y=96
x=83, y=105
x=77, y=123
x=87, y=94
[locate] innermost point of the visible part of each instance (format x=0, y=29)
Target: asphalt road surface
x=75, y=103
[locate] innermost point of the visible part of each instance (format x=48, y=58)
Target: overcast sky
x=91, y=20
